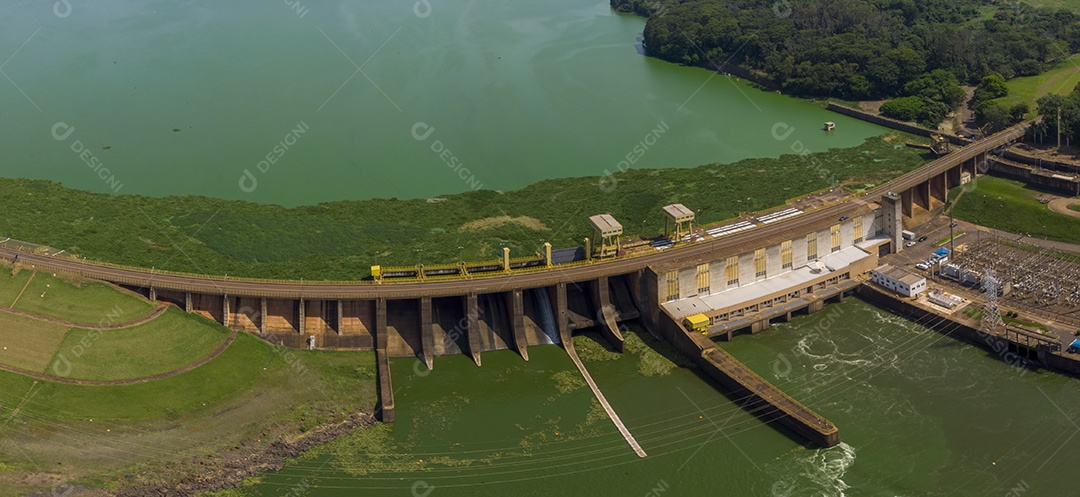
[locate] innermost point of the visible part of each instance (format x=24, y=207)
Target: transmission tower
x=991, y=318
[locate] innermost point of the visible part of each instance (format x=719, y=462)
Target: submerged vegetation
x=341, y=240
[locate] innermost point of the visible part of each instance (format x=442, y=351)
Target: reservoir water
x=920, y=414
x=351, y=100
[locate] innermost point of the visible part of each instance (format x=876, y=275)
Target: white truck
x=908, y=235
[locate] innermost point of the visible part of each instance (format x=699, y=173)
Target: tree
x=905, y=108
x=991, y=87
x=992, y=116
x=938, y=85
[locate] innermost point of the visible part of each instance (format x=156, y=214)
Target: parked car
x=954, y=224
x=922, y=238
x=922, y=265
x=843, y=218
x=909, y=244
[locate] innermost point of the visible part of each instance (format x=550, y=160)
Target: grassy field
x=169, y=342
x=28, y=343
x=1072, y=5
x=84, y=302
x=1060, y=79
x=977, y=314
x=1075, y=207
x=91, y=435
x=341, y=240
x=11, y=283
x=1007, y=205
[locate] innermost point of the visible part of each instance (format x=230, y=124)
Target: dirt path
x=1061, y=206
x=183, y=369
x=19, y=296
x=49, y=319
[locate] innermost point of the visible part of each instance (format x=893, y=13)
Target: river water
x=920, y=414
x=351, y=100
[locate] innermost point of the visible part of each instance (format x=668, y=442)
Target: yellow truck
x=697, y=322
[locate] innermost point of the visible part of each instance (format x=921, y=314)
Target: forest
x=861, y=49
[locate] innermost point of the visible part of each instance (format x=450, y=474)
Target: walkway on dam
x=603, y=402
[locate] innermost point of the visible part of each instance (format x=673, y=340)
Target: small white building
x=899, y=281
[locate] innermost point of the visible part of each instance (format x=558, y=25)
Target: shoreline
x=228, y=468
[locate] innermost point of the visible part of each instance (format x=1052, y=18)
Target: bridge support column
x=905, y=203
x=301, y=324
x=472, y=314
x=562, y=316
x=815, y=306
x=382, y=362
x=340, y=317
x=892, y=221
x=952, y=178
x=427, y=333
x=153, y=294
x=605, y=313
x=187, y=302
x=938, y=188
x=262, y=315
x=225, y=311
x=921, y=195
x=517, y=322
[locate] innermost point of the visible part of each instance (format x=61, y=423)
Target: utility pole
x=952, y=237
x=1059, y=129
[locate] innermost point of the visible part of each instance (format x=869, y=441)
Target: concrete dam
x=767, y=267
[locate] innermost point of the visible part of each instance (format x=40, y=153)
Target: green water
x=920, y=414
x=162, y=97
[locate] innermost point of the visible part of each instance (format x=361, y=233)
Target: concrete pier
x=472, y=313
x=605, y=313
x=427, y=339
x=517, y=323
x=382, y=360
x=562, y=317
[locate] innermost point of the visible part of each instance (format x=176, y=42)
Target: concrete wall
x=688, y=282
x=773, y=261
x=718, y=275
x=892, y=123
x=746, y=268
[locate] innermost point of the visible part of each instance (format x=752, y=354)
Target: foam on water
x=814, y=472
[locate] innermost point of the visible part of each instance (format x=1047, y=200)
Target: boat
x=829, y=125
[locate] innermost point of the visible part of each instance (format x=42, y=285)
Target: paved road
x=1061, y=206
x=455, y=287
